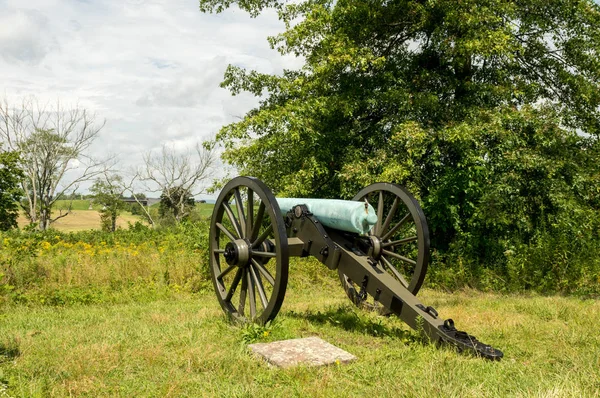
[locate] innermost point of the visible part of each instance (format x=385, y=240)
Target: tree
x=10, y=194
x=488, y=110
x=176, y=202
x=178, y=177
x=53, y=142
x=108, y=191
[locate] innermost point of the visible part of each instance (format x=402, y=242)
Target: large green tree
x=489, y=111
x=10, y=193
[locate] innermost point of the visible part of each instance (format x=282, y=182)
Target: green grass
x=133, y=314
x=76, y=205
x=179, y=344
x=204, y=209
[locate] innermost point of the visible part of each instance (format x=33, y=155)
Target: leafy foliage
x=176, y=203
x=489, y=111
x=108, y=192
x=10, y=176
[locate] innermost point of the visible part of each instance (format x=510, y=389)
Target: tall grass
x=56, y=268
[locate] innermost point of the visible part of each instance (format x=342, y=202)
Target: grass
x=76, y=204
x=133, y=314
x=181, y=345
x=204, y=209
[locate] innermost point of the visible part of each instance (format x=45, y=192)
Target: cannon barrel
x=343, y=215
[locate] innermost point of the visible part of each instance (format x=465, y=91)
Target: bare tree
x=130, y=186
x=178, y=176
x=53, y=140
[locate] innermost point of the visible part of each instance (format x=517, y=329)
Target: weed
x=253, y=332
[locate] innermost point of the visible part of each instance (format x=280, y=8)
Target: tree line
x=45, y=157
x=487, y=110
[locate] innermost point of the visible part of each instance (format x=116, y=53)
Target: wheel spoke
x=395, y=228
x=251, y=296
x=390, y=215
x=399, y=257
x=258, y=222
x=243, y=293
x=264, y=271
x=397, y=273
x=240, y=212
x=400, y=242
x=234, y=283
x=264, y=254
x=378, y=230
x=227, y=270
x=225, y=231
x=250, y=213
x=262, y=237
x=234, y=221
x=259, y=287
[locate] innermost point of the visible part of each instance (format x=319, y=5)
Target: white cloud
x=187, y=88
x=151, y=68
x=24, y=36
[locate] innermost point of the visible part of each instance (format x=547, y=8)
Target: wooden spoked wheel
x=399, y=242
x=249, y=256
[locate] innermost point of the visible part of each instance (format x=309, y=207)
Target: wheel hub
x=237, y=253
x=375, y=247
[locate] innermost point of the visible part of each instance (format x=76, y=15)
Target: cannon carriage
x=378, y=243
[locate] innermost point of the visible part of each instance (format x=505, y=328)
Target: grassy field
x=76, y=205
x=132, y=313
x=81, y=218
x=180, y=344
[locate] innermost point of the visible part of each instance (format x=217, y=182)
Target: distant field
x=83, y=219
x=76, y=205
x=205, y=209
x=80, y=220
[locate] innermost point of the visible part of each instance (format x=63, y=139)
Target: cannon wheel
x=249, y=256
x=399, y=241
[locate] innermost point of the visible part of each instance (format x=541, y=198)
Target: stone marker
x=311, y=351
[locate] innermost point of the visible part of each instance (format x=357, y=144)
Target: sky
x=150, y=68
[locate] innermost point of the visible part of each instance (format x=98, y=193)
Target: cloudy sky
x=151, y=68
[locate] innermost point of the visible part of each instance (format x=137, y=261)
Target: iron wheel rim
x=402, y=216
x=254, y=289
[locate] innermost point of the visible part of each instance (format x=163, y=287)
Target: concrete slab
x=311, y=351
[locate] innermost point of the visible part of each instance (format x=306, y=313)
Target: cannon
x=378, y=243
